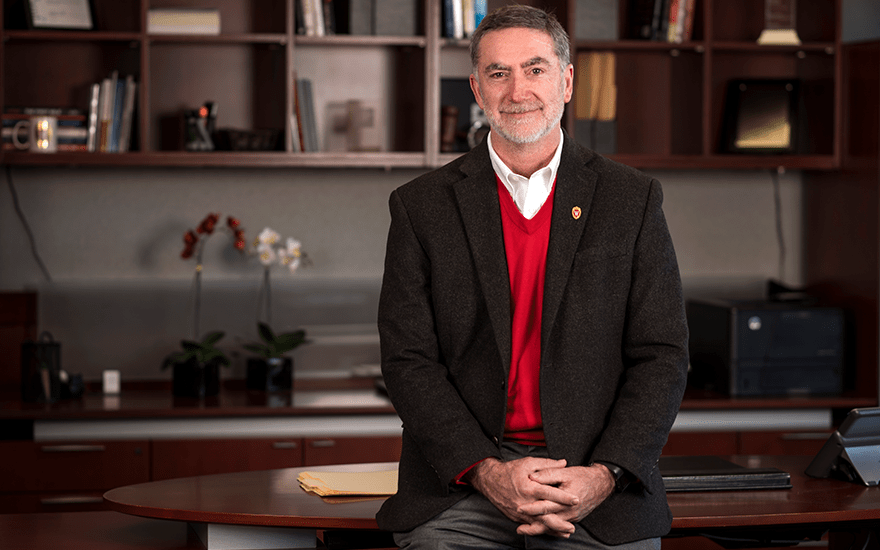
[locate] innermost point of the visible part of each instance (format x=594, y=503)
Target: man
x=532, y=329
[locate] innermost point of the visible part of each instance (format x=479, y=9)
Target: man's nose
x=519, y=88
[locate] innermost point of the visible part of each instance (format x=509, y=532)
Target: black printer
x=765, y=348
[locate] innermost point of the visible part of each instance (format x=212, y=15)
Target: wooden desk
x=272, y=498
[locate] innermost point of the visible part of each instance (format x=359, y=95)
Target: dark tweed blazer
x=613, y=334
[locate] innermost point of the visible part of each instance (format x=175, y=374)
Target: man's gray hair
x=519, y=16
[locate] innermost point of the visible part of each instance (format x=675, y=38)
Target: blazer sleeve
x=435, y=417
x=654, y=350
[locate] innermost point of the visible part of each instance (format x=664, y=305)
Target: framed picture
x=760, y=116
x=60, y=14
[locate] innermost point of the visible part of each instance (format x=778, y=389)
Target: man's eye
x=536, y=70
x=496, y=75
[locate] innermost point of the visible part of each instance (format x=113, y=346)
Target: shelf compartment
x=248, y=82
x=64, y=72
x=393, y=90
x=815, y=70
x=659, y=103
x=743, y=20
x=239, y=16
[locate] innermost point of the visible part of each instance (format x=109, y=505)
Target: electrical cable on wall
x=25, y=224
x=777, y=203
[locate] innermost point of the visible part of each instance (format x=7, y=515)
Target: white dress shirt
x=529, y=194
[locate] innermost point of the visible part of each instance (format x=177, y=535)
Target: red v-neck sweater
x=525, y=242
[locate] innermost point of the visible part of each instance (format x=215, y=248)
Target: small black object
x=40, y=369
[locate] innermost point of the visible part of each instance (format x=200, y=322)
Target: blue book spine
x=116, y=121
x=480, y=8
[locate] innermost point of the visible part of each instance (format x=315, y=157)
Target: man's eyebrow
x=537, y=60
x=492, y=67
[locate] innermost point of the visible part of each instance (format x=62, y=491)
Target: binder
x=713, y=473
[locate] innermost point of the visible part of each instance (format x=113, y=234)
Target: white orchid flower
x=268, y=237
x=267, y=254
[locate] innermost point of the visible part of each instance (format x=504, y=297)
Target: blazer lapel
x=477, y=195
x=575, y=184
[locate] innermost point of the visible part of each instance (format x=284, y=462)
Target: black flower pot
x=194, y=379
x=272, y=374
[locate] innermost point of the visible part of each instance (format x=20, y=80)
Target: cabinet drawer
x=52, y=501
x=66, y=466
x=351, y=450
x=172, y=458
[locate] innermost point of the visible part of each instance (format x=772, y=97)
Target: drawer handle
x=284, y=445
x=73, y=448
x=323, y=443
x=805, y=436
x=72, y=500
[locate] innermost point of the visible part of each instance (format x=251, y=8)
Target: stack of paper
x=382, y=483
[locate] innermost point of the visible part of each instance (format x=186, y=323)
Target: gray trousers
x=475, y=523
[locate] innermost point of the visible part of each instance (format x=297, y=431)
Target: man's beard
x=524, y=132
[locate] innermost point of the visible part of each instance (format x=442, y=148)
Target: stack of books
x=111, y=113
x=462, y=17
x=358, y=17
x=72, y=128
x=662, y=20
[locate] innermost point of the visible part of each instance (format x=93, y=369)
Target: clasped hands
x=543, y=495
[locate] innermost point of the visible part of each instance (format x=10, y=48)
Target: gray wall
x=120, y=295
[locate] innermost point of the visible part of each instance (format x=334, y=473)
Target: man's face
x=520, y=86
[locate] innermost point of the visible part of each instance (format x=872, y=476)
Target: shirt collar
x=529, y=194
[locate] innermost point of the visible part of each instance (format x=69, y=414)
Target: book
x=94, y=96
x=688, y=21
x=481, y=8
x=453, y=19
x=105, y=106
x=127, y=114
x=306, y=113
x=183, y=21
x=713, y=473
x=467, y=9
x=660, y=20
x=672, y=25
x=116, y=116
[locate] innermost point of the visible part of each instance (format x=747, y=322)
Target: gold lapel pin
x=576, y=212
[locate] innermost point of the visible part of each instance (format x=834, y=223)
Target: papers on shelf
x=324, y=483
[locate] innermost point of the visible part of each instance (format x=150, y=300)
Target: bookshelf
x=670, y=96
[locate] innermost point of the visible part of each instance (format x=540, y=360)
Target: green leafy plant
x=276, y=345
x=201, y=353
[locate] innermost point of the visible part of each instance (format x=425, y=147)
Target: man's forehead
x=516, y=46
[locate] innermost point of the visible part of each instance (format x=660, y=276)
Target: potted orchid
x=271, y=370
x=196, y=369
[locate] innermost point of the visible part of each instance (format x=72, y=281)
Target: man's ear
x=568, y=78
x=475, y=88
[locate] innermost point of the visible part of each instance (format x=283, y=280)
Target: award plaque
x=780, y=23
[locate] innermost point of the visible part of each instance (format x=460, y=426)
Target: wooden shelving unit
x=670, y=96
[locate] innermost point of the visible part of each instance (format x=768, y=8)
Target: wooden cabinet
x=183, y=458
x=842, y=221
x=65, y=476
x=670, y=97
x=745, y=443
